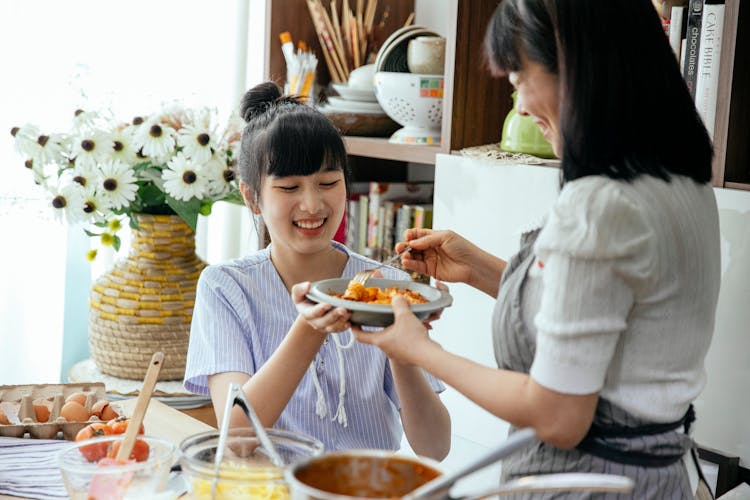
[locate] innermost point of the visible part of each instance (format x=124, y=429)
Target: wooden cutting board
x=164, y=421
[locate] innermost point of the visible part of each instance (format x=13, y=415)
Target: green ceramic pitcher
x=522, y=135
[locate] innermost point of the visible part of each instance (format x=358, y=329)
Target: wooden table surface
x=165, y=422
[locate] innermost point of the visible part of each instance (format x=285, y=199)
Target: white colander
x=414, y=101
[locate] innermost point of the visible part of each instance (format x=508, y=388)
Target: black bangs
x=302, y=144
x=503, y=38
x=520, y=27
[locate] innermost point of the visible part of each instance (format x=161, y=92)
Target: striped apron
x=618, y=443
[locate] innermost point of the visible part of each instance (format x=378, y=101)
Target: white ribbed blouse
x=243, y=311
x=631, y=275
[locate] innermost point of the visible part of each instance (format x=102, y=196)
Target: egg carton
x=17, y=404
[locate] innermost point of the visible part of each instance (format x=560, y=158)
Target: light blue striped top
x=242, y=313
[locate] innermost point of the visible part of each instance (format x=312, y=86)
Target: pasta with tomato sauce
x=373, y=295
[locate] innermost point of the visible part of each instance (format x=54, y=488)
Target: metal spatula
x=235, y=396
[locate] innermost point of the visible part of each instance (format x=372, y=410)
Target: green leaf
x=148, y=195
x=187, y=210
x=116, y=243
x=90, y=233
x=141, y=166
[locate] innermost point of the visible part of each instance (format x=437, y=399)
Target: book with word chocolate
x=692, y=44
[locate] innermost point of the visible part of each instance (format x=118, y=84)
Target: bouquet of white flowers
x=175, y=162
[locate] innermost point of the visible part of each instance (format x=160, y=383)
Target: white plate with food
x=331, y=291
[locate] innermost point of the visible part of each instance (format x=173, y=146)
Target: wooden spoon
x=114, y=487
x=141, y=405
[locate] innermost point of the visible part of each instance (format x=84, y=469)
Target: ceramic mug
x=426, y=55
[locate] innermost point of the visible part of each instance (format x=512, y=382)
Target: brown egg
x=74, y=412
x=78, y=397
x=103, y=410
x=109, y=413
x=42, y=410
x=3, y=418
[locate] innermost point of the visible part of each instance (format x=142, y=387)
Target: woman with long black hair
x=604, y=317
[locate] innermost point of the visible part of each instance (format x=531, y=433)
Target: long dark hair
x=624, y=108
x=285, y=137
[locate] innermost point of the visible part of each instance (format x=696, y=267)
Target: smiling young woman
x=297, y=361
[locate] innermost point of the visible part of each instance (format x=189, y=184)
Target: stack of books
x=695, y=34
x=378, y=214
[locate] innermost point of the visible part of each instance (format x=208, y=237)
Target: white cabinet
x=491, y=204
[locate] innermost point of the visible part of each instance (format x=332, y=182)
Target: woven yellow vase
x=145, y=303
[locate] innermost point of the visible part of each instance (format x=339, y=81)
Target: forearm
x=559, y=419
x=273, y=385
x=425, y=419
x=486, y=272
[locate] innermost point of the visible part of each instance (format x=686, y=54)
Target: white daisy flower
x=122, y=147
x=39, y=147
x=198, y=142
x=25, y=139
x=85, y=120
x=94, y=204
x=39, y=172
x=87, y=176
x=118, y=183
x=67, y=200
x=91, y=148
x=155, y=140
x=184, y=178
x=220, y=177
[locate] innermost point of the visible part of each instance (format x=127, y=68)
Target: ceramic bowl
x=147, y=478
x=378, y=314
x=392, y=55
x=355, y=93
x=361, y=77
x=415, y=102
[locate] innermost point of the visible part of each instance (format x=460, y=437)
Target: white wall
x=491, y=204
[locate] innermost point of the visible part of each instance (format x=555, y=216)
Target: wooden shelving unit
x=475, y=104
x=731, y=166
x=376, y=147
x=469, y=90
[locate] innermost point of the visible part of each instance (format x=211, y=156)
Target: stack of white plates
x=360, y=94
x=341, y=105
x=358, y=100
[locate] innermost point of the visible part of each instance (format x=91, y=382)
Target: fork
x=364, y=275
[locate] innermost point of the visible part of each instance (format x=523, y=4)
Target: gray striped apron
x=650, y=455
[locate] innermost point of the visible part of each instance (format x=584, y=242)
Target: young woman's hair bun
x=260, y=98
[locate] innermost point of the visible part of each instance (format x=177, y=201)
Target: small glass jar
x=246, y=470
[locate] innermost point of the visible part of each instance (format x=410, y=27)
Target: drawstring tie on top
x=321, y=408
